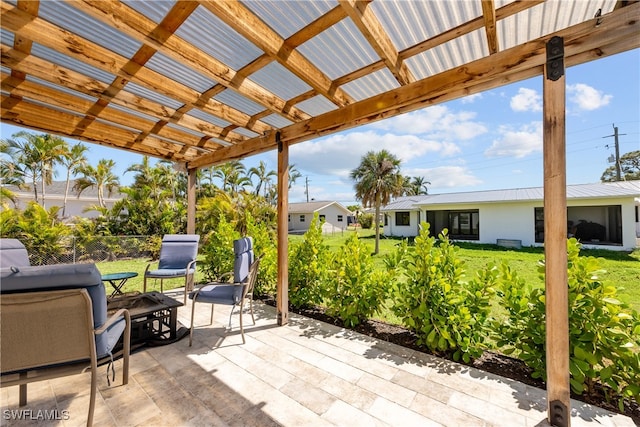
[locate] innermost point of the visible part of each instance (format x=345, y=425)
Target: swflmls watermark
x=35, y=414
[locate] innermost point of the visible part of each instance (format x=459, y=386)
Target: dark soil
x=493, y=362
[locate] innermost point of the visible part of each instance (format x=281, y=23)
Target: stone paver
x=304, y=374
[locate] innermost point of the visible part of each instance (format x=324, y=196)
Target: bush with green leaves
x=217, y=249
x=447, y=313
x=264, y=239
x=355, y=289
x=308, y=267
x=604, y=333
x=39, y=229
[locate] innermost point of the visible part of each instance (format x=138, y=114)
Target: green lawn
x=622, y=268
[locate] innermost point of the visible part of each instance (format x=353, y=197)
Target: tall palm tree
x=416, y=186
x=294, y=174
x=37, y=155
x=264, y=176
x=377, y=180
x=101, y=177
x=73, y=159
x=233, y=176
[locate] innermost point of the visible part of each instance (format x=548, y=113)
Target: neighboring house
x=333, y=214
x=54, y=196
x=605, y=215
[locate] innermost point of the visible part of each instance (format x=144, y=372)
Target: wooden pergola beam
x=524, y=61
x=372, y=29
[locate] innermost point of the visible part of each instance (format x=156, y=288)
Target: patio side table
x=117, y=280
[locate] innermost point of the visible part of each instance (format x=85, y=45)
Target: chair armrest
x=113, y=319
x=147, y=269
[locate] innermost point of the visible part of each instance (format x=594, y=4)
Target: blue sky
x=487, y=141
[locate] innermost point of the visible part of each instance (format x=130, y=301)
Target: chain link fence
x=73, y=250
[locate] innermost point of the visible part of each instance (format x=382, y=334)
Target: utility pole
x=306, y=183
x=615, y=137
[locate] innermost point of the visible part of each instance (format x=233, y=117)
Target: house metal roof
x=311, y=207
x=580, y=191
x=203, y=82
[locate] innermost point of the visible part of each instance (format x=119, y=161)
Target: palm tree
x=73, y=159
x=37, y=155
x=233, y=176
x=264, y=176
x=378, y=179
x=294, y=174
x=101, y=176
x=418, y=186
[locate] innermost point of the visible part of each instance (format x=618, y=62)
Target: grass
x=622, y=268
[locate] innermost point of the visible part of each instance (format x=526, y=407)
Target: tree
x=37, y=156
x=629, y=168
x=101, y=177
x=73, y=159
x=264, y=176
x=378, y=179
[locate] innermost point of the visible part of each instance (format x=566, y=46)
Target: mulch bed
x=492, y=362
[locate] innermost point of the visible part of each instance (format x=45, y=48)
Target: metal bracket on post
x=279, y=141
x=555, y=58
x=558, y=414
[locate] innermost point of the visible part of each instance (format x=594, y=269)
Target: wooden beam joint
x=555, y=58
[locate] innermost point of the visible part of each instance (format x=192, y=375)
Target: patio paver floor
x=308, y=373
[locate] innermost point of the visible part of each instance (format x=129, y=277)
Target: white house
x=54, y=196
x=333, y=214
x=604, y=215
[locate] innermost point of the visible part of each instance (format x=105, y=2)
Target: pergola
x=203, y=82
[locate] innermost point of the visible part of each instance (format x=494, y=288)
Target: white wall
x=75, y=205
x=331, y=218
x=392, y=229
x=516, y=220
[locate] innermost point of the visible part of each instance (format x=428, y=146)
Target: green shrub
x=355, y=290
x=447, y=313
x=604, y=334
x=264, y=239
x=308, y=267
x=365, y=220
x=217, y=249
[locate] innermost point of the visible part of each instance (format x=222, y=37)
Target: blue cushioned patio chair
x=54, y=322
x=245, y=273
x=178, y=254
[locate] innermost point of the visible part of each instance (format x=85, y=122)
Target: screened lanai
x=203, y=82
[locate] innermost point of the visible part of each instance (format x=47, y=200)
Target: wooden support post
x=282, y=298
x=191, y=201
x=555, y=237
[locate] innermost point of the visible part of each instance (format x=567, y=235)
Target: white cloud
x=526, y=100
x=587, y=97
x=437, y=122
x=471, y=98
x=446, y=176
x=517, y=142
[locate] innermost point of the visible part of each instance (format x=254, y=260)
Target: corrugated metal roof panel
x=371, y=84
x=73, y=64
x=182, y=74
x=208, y=118
x=277, y=79
x=208, y=33
x=64, y=15
x=288, y=17
x=155, y=10
x=339, y=50
x=153, y=96
x=316, y=105
x=239, y=102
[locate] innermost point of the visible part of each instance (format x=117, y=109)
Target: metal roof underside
x=203, y=82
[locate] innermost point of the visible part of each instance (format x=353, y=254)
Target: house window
x=301, y=218
x=464, y=225
x=600, y=225
x=339, y=218
x=403, y=218
x=322, y=218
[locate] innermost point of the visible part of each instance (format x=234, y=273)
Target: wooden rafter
x=489, y=14
x=144, y=30
x=618, y=30
x=241, y=19
x=378, y=38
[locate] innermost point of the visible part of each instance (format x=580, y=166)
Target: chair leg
x=241, y=326
x=22, y=400
x=144, y=286
x=211, y=321
x=251, y=309
x=193, y=309
x=94, y=386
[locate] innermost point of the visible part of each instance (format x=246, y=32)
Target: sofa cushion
x=60, y=276
x=13, y=252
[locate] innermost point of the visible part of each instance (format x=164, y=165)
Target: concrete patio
x=305, y=374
